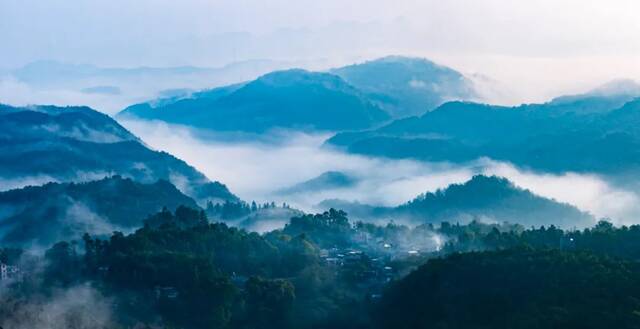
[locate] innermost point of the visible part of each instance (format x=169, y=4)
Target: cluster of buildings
x=374, y=268
x=166, y=292
x=8, y=272
x=359, y=265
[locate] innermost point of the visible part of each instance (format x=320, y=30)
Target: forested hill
x=323, y=271
x=48, y=122
x=483, y=198
x=519, y=288
x=42, y=215
x=77, y=143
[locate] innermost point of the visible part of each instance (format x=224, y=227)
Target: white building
x=8, y=271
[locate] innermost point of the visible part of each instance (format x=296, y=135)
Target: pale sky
x=550, y=46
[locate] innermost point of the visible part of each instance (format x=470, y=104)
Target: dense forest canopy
x=324, y=271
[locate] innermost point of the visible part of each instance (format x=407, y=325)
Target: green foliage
x=184, y=217
x=488, y=198
x=516, y=288
x=200, y=263
x=497, y=199
x=63, y=263
x=10, y=255
x=328, y=229
x=268, y=303
x=181, y=271
x=64, y=211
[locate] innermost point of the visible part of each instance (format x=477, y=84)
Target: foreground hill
x=592, y=134
x=283, y=99
x=77, y=143
x=43, y=215
x=483, y=198
x=514, y=289
x=407, y=86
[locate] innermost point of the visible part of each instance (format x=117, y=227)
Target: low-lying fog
x=256, y=169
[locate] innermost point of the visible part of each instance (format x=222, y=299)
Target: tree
x=268, y=302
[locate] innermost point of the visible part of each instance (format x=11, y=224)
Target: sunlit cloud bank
x=256, y=169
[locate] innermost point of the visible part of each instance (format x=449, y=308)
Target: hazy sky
x=550, y=46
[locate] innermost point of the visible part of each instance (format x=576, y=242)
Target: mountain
x=47, y=122
x=326, y=181
x=43, y=215
x=607, y=97
x=406, y=86
x=583, y=135
x=484, y=198
x=282, y=99
x=77, y=143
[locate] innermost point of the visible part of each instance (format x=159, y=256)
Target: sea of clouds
x=255, y=168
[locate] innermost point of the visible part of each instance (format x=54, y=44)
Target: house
x=166, y=292
x=8, y=272
x=333, y=261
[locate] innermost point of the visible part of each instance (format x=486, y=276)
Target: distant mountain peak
x=298, y=77
x=404, y=60
x=290, y=99
x=407, y=86
x=617, y=87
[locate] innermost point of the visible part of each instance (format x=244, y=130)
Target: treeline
x=321, y=271
x=230, y=210
x=604, y=238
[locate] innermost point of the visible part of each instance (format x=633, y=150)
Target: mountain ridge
x=67, y=143
x=283, y=99
x=482, y=198
x=42, y=215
